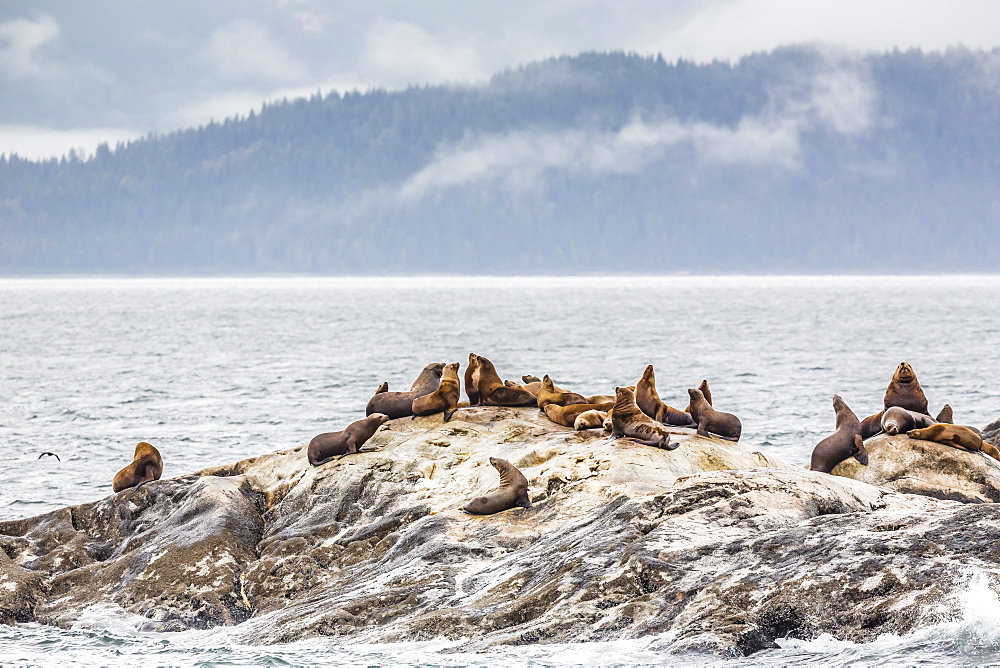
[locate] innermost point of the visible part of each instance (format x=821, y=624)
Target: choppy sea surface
x=213, y=370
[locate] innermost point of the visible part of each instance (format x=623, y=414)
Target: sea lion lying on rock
x=843, y=443
x=897, y=420
x=648, y=400
x=567, y=415
x=400, y=404
x=512, y=492
x=628, y=420
x=956, y=436
x=324, y=447
x=593, y=419
x=548, y=393
x=711, y=421
x=492, y=390
x=442, y=400
x=146, y=466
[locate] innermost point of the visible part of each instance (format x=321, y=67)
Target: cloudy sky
x=73, y=74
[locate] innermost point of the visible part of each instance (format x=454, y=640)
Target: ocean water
x=219, y=369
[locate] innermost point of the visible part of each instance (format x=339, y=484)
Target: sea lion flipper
x=448, y=414
x=860, y=453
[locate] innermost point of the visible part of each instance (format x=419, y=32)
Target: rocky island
x=715, y=546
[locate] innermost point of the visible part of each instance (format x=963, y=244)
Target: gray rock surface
x=723, y=547
x=913, y=466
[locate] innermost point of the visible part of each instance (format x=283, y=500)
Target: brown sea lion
x=493, y=392
x=711, y=421
x=400, y=404
x=600, y=399
x=324, y=447
x=871, y=425
x=527, y=380
x=706, y=391
x=628, y=420
x=593, y=419
x=442, y=400
x=904, y=390
x=946, y=416
x=550, y=394
x=147, y=465
x=897, y=420
x=956, y=436
x=648, y=400
x=472, y=379
x=843, y=443
x=566, y=415
x=512, y=492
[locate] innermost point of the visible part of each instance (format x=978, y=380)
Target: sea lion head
x=648, y=373
x=451, y=370
x=838, y=403
x=696, y=395
x=904, y=373
x=378, y=418
x=547, y=384
x=531, y=379
x=437, y=367
x=144, y=448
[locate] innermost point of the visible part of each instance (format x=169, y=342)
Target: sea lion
x=324, y=447
x=384, y=387
x=550, y=394
x=904, y=390
x=628, y=420
x=845, y=442
x=146, y=466
x=593, y=419
x=527, y=380
x=946, y=416
x=871, y=425
x=472, y=379
x=400, y=404
x=897, y=420
x=493, y=392
x=706, y=391
x=956, y=436
x=442, y=400
x=566, y=415
x=512, y=492
x=648, y=400
x=711, y=421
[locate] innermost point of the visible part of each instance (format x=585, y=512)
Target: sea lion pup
x=146, y=466
x=956, y=436
x=711, y=421
x=896, y=420
x=442, y=400
x=400, y=404
x=904, y=390
x=493, y=392
x=946, y=416
x=648, y=400
x=566, y=415
x=512, y=492
x=843, y=443
x=325, y=447
x=550, y=394
x=472, y=379
x=628, y=420
x=705, y=390
x=593, y=419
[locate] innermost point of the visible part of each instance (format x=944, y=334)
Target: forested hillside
x=799, y=160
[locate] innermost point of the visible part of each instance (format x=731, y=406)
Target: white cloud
x=42, y=143
x=400, y=53
x=242, y=51
x=839, y=97
x=20, y=41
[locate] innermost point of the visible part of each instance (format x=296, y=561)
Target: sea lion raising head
x=548, y=393
x=843, y=443
x=628, y=420
x=711, y=421
x=400, y=404
x=648, y=400
x=146, y=466
x=442, y=400
x=512, y=492
x=324, y=447
x=472, y=379
x=904, y=390
x=492, y=390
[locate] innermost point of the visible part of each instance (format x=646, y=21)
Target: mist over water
x=215, y=370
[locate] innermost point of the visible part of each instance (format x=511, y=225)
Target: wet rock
x=913, y=466
x=717, y=546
